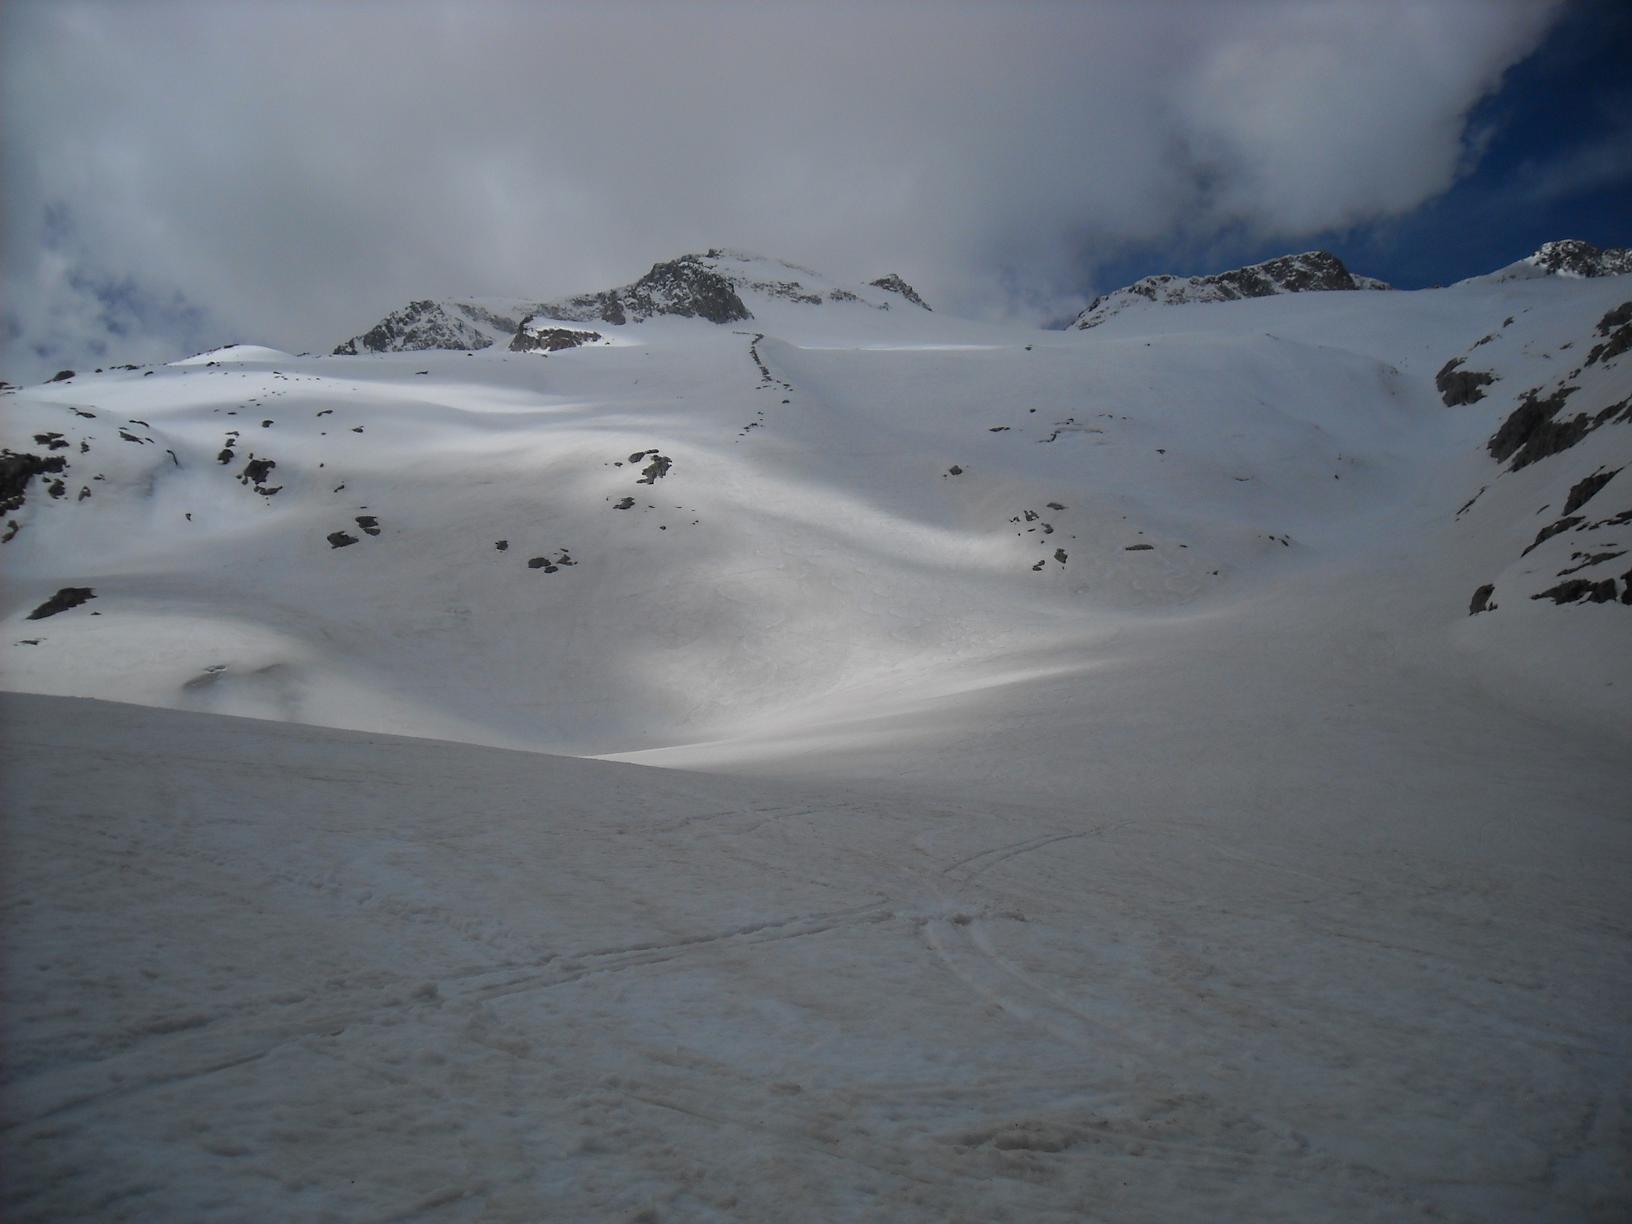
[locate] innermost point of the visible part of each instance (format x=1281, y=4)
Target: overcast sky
x=181, y=175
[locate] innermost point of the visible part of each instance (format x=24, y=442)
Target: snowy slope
x=268, y=971
x=849, y=499
x=1117, y=800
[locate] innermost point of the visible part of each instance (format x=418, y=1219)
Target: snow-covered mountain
x=1174, y=769
x=1569, y=257
x=1309, y=272
x=720, y=286
x=450, y=324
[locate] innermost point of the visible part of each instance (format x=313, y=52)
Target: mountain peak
x=1309, y=272
x=719, y=285
x=1567, y=257
x=1572, y=257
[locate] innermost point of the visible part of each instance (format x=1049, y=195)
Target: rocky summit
x=1310, y=272
x=718, y=286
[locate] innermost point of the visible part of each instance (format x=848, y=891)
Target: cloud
x=291, y=171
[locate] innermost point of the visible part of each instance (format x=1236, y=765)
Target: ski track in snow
x=1227, y=868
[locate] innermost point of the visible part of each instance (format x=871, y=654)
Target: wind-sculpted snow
x=1310, y=272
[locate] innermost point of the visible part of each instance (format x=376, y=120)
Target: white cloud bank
x=294, y=170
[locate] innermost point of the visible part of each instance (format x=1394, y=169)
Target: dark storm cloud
x=296, y=170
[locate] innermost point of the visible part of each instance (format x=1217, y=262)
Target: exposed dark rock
x=62, y=376
x=1552, y=529
x=51, y=441
x=1458, y=386
x=1584, y=489
x=549, y=339
x=954, y=470
x=1588, y=560
x=623, y=504
x=1481, y=599
x=369, y=523
x=894, y=284
x=655, y=470
x=1060, y=555
x=57, y=488
x=84, y=492
x=1530, y=433
x=68, y=597
x=130, y=437
x=17, y=470
x=339, y=539
x=502, y=545
x=1617, y=327
x=1138, y=547
x=1578, y=590
x=255, y=473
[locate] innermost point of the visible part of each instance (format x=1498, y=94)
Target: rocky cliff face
x=1310, y=272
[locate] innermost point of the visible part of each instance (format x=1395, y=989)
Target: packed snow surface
x=1176, y=770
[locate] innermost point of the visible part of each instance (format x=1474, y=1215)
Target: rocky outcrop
x=68, y=597
x=687, y=287
x=542, y=338
x=1313, y=271
x=1458, y=386
x=1535, y=429
x=418, y=325
x=1572, y=257
x=894, y=284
